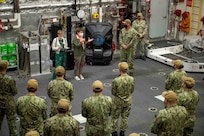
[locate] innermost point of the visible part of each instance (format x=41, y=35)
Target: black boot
x=122, y=133
x=143, y=58
x=114, y=133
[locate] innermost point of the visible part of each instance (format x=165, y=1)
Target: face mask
x=125, y=26
x=81, y=34
x=60, y=37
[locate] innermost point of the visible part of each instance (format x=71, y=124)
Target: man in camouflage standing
x=122, y=89
x=141, y=29
x=8, y=90
x=62, y=124
x=127, y=39
x=189, y=98
x=97, y=110
x=58, y=89
x=170, y=121
x=32, y=110
x=174, y=81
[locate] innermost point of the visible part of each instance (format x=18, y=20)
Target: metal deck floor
x=149, y=82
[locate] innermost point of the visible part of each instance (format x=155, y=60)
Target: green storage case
x=12, y=60
x=4, y=49
x=11, y=48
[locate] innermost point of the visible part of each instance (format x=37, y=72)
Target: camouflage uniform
x=174, y=81
x=189, y=99
x=170, y=121
x=141, y=28
x=61, y=125
x=58, y=89
x=32, y=111
x=97, y=110
x=8, y=90
x=128, y=37
x=122, y=89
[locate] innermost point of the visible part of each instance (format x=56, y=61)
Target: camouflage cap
x=60, y=70
x=178, y=63
x=32, y=84
x=97, y=85
x=3, y=64
x=63, y=104
x=189, y=81
x=123, y=66
x=127, y=21
x=169, y=95
x=32, y=133
x=134, y=134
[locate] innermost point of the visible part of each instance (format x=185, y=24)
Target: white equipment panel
x=162, y=55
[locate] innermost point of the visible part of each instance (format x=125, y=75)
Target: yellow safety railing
x=195, y=16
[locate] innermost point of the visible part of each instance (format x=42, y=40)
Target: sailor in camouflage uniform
x=32, y=110
x=58, y=89
x=127, y=39
x=170, y=121
x=141, y=29
x=174, y=81
x=189, y=98
x=32, y=133
x=122, y=89
x=62, y=124
x=8, y=90
x=97, y=110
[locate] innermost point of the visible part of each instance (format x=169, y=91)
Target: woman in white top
x=59, y=45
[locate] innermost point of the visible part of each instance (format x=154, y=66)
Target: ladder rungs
x=197, y=6
x=195, y=16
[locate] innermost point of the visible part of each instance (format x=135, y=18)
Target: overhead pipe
x=8, y=27
x=17, y=17
x=100, y=14
x=5, y=8
x=46, y=5
x=26, y=7
x=10, y=20
x=16, y=10
x=100, y=11
x=17, y=7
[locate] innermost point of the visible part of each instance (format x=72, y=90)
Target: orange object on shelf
x=185, y=22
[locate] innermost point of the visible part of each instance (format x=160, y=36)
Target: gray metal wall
x=38, y=15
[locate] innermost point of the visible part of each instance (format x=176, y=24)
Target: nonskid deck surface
x=149, y=82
